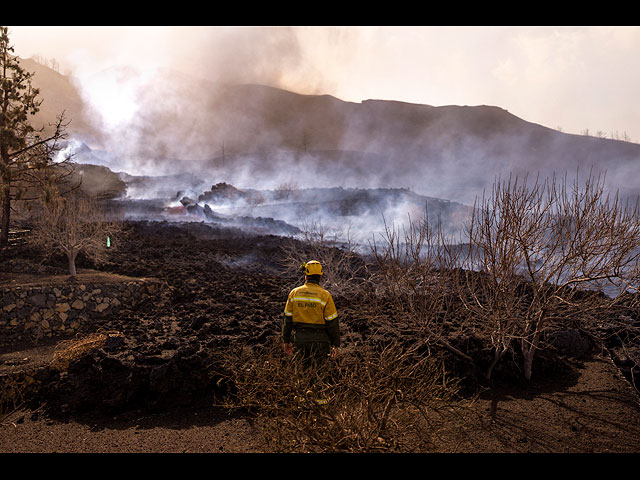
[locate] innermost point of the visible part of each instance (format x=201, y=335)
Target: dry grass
x=68, y=350
x=385, y=398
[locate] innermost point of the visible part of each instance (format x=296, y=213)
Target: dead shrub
x=14, y=389
x=380, y=398
x=344, y=270
x=413, y=283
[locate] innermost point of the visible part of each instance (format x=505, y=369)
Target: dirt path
x=593, y=410
x=182, y=431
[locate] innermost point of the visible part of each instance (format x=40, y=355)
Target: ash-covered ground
x=223, y=291
x=226, y=290
x=224, y=254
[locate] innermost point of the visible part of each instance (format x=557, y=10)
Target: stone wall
x=33, y=312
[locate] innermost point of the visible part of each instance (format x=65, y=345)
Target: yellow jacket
x=311, y=316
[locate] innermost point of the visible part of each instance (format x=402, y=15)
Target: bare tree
x=72, y=224
x=415, y=270
x=535, y=257
x=286, y=190
x=538, y=248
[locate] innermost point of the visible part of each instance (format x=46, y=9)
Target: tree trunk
x=529, y=347
x=72, y=263
x=5, y=212
x=528, y=352
x=528, y=363
x=496, y=357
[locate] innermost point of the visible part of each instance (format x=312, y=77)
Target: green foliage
x=18, y=100
x=25, y=156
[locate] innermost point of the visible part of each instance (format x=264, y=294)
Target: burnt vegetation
x=427, y=322
x=545, y=274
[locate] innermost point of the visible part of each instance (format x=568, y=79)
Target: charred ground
x=225, y=291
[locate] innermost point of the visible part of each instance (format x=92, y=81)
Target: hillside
x=255, y=136
x=58, y=94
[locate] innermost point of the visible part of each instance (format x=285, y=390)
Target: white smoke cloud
x=155, y=124
x=570, y=77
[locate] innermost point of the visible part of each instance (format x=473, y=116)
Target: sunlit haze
x=570, y=78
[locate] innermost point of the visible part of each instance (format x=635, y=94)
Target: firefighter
x=310, y=322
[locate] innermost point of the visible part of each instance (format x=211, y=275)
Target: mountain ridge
x=450, y=151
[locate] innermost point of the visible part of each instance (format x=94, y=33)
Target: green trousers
x=313, y=352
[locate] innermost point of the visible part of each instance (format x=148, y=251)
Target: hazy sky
x=573, y=78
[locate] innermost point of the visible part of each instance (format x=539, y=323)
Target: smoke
x=250, y=55
x=554, y=76
x=153, y=111
x=155, y=120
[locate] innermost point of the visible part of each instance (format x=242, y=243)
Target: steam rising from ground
x=198, y=132
x=357, y=215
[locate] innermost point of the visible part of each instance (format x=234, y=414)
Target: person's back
x=310, y=316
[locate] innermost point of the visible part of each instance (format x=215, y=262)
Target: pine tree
x=24, y=152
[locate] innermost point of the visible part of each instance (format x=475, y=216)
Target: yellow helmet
x=312, y=267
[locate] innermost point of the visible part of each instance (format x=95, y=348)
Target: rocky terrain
x=154, y=371
x=152, y=386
